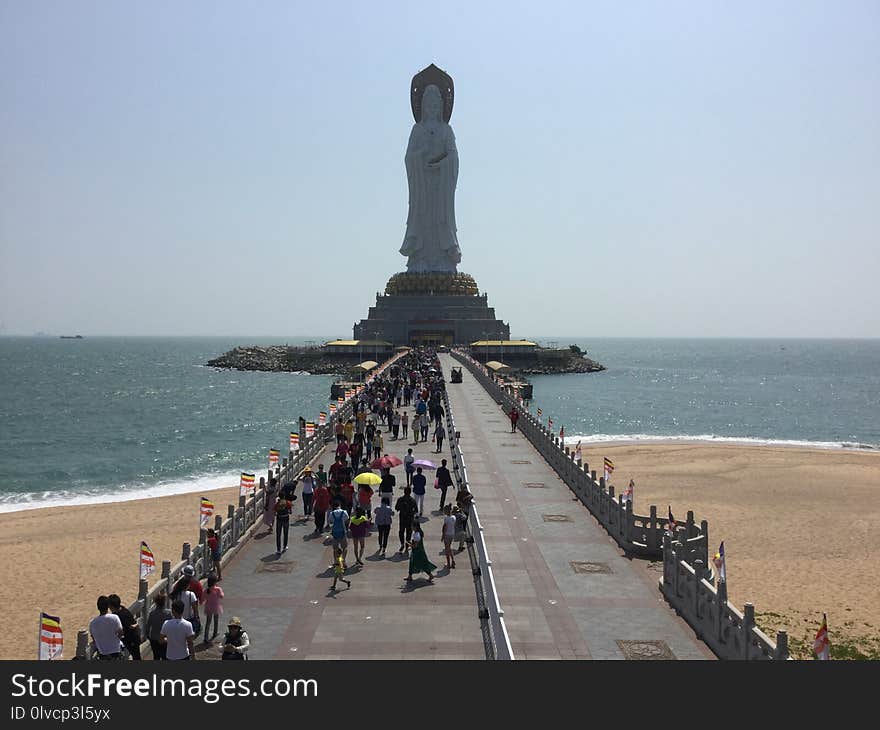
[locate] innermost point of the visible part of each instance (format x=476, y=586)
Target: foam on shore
x=124, y=493
x=638, y=438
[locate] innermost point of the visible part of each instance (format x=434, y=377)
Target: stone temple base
x=431, y=309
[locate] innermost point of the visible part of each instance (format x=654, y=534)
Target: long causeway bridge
x=556, y=566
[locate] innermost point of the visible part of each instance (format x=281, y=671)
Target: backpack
x=338, y=530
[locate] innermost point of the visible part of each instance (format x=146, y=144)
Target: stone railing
x=729, y=633
x=683, y=553
x=239, y=525
x=495, y=636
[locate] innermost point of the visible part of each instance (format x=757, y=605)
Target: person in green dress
x=418, y=561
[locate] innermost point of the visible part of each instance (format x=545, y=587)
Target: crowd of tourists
x=359, y=495
x=172, y=626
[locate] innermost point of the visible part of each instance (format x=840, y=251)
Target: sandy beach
x=60, y=559
x=799, y=527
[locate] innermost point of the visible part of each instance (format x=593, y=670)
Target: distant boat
x=72, y=337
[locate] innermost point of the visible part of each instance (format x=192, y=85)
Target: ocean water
x=122, y=418
x=821, y=393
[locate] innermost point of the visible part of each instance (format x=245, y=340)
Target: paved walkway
x=289, y=612
x=565, y=587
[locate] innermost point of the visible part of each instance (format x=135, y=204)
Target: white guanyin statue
x=431, y=242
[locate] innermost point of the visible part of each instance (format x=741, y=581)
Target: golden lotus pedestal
x=431, y=309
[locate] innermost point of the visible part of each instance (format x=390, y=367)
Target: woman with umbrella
x=418, y=560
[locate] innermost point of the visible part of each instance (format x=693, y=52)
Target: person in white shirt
x=190, y=602
x=408, y=466
x=106, y=631
x=177, y=635
x=448, y=535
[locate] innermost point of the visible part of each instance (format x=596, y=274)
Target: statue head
x=432, y=104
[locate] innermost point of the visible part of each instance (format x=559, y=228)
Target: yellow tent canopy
x=366, y=366
x=498, y=367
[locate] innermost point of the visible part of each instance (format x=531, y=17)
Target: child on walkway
x=339, y=572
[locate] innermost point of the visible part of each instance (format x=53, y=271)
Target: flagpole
x=39, y=635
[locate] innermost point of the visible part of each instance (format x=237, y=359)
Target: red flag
x=821, y=646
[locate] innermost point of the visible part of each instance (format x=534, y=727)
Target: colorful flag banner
x=628, y=494
x=322, y=419
x=821, y=646
x=206, y=511
x=148, y=560
x=248, y=481
x=720, y=564
x=332, y=408
x=540, y=412
x=609, y=468
x=274, y=457
x=294, y=441
x=670, y=524
x=51, y=637
x=310, y=429
x=577, y=451
x=562, y=434
x=340, y=400
x=549, y=421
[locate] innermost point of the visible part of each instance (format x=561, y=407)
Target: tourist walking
x=321, y=505
x=448, y=534
x=236, y=641
x=157, y=618
x=269, y=503
x=378, y=444
x=177, y=634
x=213, y=543
x=383, y=516
x=443, y=481
x=418, y=560
x=423, y=425
x=283, y=510
x=408, y=466
x=339, y=520
x=358, y=526
x=461, y=519
x=406, y=509
x=365, y=499
x=419, y=481
x=386, y=486
x=308, y=482
x=213, y=606
x=339, y=572
x=106, y=630
x=395, y=424
x=404, y=423
x=439, y=435
x=131, y=633
x=514, y=417
x=183, y=592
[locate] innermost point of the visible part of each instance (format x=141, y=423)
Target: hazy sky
x=633, y=169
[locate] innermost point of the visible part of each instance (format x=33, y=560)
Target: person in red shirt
x=342, y=449
x=365, y=499
x=320, y=506
x=514, y=417
x=214, y=548
x=347, y=494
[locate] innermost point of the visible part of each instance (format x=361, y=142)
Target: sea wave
x=16, y=502
x=618, y=438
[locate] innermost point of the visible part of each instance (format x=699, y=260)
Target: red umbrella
x=385, y=462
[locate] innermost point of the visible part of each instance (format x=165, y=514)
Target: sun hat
x=308, y=469
x=189, y=570
x=234, y=621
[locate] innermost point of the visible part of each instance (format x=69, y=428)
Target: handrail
x=490, y=610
